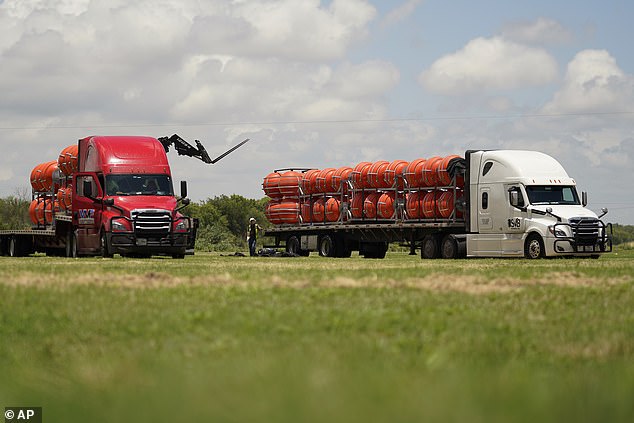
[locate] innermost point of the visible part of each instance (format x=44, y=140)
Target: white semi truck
x=511, y=204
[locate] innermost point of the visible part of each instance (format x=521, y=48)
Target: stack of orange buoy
x=283, y=189
x=52, y=191
x=424, y=188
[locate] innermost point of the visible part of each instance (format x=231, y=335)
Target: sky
x=323, y=84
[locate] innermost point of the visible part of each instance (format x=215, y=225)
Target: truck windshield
x=552, y=194
x=139, y=185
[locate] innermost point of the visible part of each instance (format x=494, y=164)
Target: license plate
x=141, y=242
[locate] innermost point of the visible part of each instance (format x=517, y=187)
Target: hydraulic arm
x=183, y=148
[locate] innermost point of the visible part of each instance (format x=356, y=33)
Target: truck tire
x=19, y=247
x=105, y=247
x=429, y=248
x=69, y=244
x=343, y=249
x=13, y=248
x=326, y=246
x=534, y=247
x=449, y=247
x=293, y=245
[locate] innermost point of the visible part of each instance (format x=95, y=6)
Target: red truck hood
x=132, y=202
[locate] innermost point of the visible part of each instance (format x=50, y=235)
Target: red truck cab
x=124, y=199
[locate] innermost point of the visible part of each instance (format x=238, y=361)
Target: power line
x=322, y=122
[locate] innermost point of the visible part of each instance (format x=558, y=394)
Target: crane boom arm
x=183, y=148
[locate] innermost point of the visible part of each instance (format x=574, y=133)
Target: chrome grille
x=585, y=230
x=151, y=222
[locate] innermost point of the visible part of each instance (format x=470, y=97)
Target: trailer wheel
x=326, y=246
x=534, y=247
x=13, y=247
x=105, y=248
x=69, y=244
x=75, y=246
x=449, y=247
x=19, y=247
x=292, y=245
x=429, y=248
x=343, y=250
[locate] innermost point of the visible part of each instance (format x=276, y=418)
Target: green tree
x=622, y=233
x=14, y=212
x=213, y=234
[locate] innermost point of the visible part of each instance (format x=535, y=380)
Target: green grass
x=213, y=338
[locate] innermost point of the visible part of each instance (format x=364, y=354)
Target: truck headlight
x=558, y=232
x=120, y=225
x=181, y=225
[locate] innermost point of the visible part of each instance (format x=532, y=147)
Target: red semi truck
x=114, y=196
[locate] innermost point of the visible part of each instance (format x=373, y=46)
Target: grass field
x=213, y=338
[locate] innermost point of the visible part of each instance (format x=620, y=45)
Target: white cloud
x=593, y=83
x=489, y=64
x=543, y=31
x=400, y=13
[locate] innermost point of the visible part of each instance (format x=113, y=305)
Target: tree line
x=224, y=220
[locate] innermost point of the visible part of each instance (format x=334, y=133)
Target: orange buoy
x=288, y=183
x=67, y=160
x=340, y=178
x=283, y=211
x=430, y=171
x=413, y=173
x=44, y=211
x=306, y=211
x=369, y=205
x=318, y=210
x=61, y=192
x=356, y=207
x=385, y=205
x=267, y=211
x=309, y=181
x=446, y=203
x=323, y=180
x=376, y=174
x=359, y=175
x=444, y=179
x=35, y=177
x=46, y=175
x=270, y=185
x=429, y=204
x=414, y=204
x=333, y=209
x=50, y=210
x=394, y=174
x=32, y=212
x=68, y=197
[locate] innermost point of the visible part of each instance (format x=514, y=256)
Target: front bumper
x=585, y=239
x=130, y=243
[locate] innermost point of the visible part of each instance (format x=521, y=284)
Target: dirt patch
x=440, y=282
x=473, y=284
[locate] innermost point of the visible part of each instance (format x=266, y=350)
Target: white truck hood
x=565, y=211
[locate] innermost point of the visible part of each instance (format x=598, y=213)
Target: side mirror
x=584, y=198
x=515, y=198
x=183, y=189
x=87, y=188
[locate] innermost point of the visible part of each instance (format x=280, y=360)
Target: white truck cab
x=523, y=203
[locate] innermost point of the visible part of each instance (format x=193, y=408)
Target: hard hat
x=252, y=219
